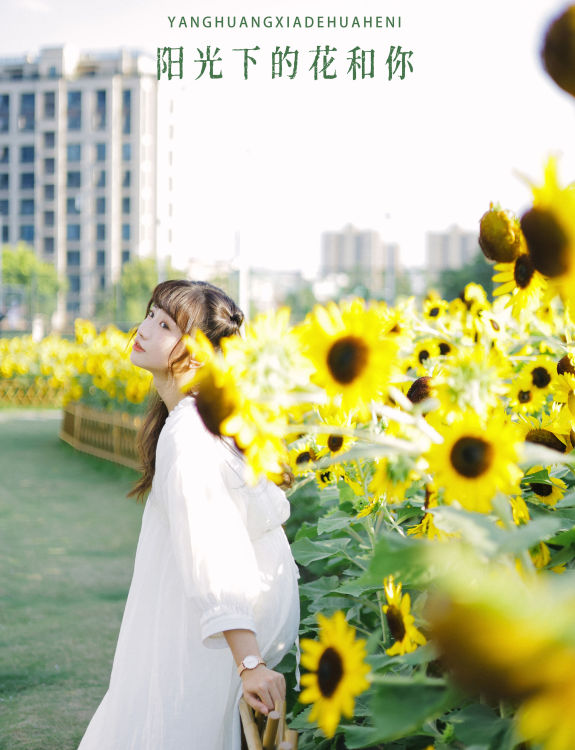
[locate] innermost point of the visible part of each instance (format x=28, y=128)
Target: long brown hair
x=192, y=305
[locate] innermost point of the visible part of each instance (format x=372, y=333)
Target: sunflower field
x=92, y=369
x=429, y=458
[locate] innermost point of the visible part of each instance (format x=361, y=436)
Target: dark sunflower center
x=347, y=359
x=434, y=312
x=444, y=348
x=334, y=443
x=419, y=390
x=471, y=456
x=540, y=377
x=329, y=672
x=543, y=490
x=524, y=397
x=213, y=405
x=395, y=622
x=325, y=476
x=304, y=457
x=523, y=271
x=565, y=365
x=547, y=242
x=423, y=355
x=546, y=438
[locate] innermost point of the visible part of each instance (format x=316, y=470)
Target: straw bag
x=260, y=732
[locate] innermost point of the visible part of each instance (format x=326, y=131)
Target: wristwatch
x=250, y=662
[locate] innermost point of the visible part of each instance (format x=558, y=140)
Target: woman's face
x=155, y=339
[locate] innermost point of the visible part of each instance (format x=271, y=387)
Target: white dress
x=212, y=556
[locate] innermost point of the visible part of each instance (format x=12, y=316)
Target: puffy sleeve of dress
x=211, y=543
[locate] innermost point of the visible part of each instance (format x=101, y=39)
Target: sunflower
x=426, y=527
x=476, y=459
x=330, y=443
x=338, y=671
x=542, y=371
x=524, y=397
x=500, y=237
x=549, y=492
x=472, y=379
x=424, y=352
x=434, y=308
x=522, y=281
x=519, y=510
x=302, y=459
x=352, y=351
x=400, y=620
x=549, y=230
x=393, y=476
x=564, y=392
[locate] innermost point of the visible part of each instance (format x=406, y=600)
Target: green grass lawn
x=67, y=542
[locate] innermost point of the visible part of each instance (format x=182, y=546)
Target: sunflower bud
x=558, y=51
x=500, y=236
x=547, y=242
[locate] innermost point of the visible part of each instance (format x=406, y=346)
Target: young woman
x=213, y=603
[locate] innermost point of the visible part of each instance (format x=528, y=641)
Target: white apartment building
x=361, y=255
x=450, y=250
x=78, y=164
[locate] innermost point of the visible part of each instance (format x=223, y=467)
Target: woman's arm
x=263, y=688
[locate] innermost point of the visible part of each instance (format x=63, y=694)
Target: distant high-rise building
x=450, y=250
x=78, y=155
x=362, y=255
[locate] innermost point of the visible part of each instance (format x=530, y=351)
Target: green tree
x=478, y=270
x=38, y=280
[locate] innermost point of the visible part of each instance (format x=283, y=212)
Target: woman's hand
x=263, y=688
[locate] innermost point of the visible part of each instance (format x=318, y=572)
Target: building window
x=4, y=113
x=100, y=231
x=72, y=231
x=74, y=284
x=101, y=258
x=49, y=218
x=126, y=112
x=125, y=205
x=72, y=206
x=49, y=166
x=26, y=154
x=74, y=152
x=4, y=181
x=100, y=152
x=27, y=111
x=4, y=154
x=27, y=232
x=126, y=231
x=126, y=151
x=102, y=281
x=5, y=233
x=101, y=178
x=73, y=258
x=27, y=207
x=125, y=256
x=4, y=207
x=49, y=139
x=100, y=205
x=126, y=178
x=74, y=179
x=49, y=105
x=74, y=110
x=72, y=305
x=100, y=114
x=27, y=181
x=48, y=245
x=49, y=192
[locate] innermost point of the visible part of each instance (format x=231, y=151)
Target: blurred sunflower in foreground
x=338, y=671
x=510, y=642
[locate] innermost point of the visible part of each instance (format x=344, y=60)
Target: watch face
x=250, y=662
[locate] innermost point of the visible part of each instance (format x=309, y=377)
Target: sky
x=276, y=162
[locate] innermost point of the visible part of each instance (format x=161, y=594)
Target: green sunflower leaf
x=307, y=551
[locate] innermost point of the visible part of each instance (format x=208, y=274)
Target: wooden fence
x=39, y=394
x=109, y=435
